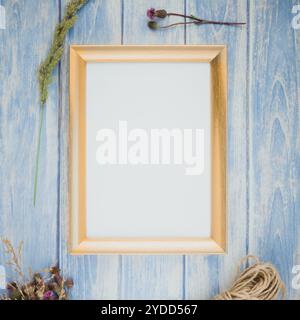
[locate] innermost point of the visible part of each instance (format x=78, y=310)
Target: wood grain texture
x=151, y=277
x=263, y=142
x=96, y=277
x=23, y=45
x=274, y=136
x=206, y=276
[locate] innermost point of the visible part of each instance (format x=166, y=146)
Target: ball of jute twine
x=260, y=281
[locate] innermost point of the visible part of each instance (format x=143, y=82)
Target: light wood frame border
x=80, y=55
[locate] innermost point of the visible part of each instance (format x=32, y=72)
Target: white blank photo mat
x=147, y=200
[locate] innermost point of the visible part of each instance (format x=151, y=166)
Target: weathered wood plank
x=274, y=136
x=274, y=195
x=23, y=45
x=151, y=277
x=206, y=276
x=99, y=22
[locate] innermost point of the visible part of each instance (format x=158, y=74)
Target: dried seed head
x=153, y=25
x=37, y=278
x=161, y=13
x=54, y=270
x=69, y=283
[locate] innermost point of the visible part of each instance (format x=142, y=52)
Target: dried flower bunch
x=152, y=14
x=48, y=285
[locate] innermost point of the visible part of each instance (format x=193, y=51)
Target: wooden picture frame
x=216, y=56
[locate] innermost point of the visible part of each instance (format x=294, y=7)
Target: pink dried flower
x=49, y=295
x=160, y=13
x=151, y=13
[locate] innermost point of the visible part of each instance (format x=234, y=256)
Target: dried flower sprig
x=39, y=287
x=47, y=67
x=162, y=13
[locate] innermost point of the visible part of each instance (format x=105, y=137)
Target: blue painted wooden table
x=263, y=154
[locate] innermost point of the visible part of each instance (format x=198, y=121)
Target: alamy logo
x=2, y=17
x=152, y=147
x=296, y=19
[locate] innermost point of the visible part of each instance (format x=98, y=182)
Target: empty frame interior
x=147, y=208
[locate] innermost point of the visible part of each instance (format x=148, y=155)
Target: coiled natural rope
x=261, y=281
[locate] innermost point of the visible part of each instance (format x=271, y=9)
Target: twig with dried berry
x=152, y=14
